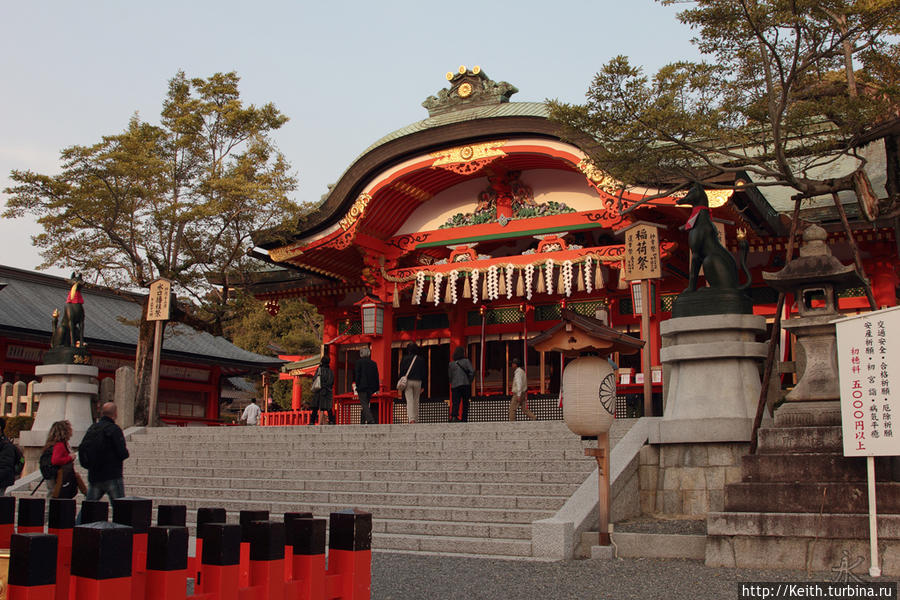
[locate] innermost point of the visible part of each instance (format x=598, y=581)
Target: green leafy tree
x=793, y=87
x=176, y=200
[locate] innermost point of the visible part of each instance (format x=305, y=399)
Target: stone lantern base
x=713, y=381
x=66, y=393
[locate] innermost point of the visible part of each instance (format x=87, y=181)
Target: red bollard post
x=61, y=523
x=246, y=518
x=94, y=511
x=32, y=567
x=288, y=543
x=308, y=544
x=204, y=516
x=101, y=561
x=7, y=519
x=350, y=553
x=267, y=559
x=167, y=563
x=31, y=515
x=137, y=513
x=171, y=515
x=220, y=561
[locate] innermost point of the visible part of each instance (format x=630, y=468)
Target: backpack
x=48, y=469
x=20, y=461
x=91, y=447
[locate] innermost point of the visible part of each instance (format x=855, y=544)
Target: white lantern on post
x=589, y=395
x=372, y=314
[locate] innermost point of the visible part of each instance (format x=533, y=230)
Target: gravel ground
x=418, y=577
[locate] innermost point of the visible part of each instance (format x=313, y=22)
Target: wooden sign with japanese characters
x=158, y=307
x=868, y=349
x=642, y=253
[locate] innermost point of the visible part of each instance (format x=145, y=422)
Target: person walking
x=366, y=383
x=519, y=391
x=251, y=413
x=461, y=373
x=67, y=482
x=414, y=368
x=9, y=456
x=323, y=397
x=102, y=452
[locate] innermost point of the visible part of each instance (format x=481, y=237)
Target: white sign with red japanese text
x=868, y=349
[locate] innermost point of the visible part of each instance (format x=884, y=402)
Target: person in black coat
x=323, y=398
x=366, y=383
x=104, y=460
x=8, y=459
x=414, y=364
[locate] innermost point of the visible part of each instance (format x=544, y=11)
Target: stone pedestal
x=66, y=393
x=713, y=382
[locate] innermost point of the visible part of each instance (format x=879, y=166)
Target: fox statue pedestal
x=66, y=393
x=713, y=382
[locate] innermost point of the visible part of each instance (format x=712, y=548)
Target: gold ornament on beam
x=448, y=296
x=560, y=283
x=467, y=288
x=580, y=278
x=429, y=299
x=520, y=282
x=396, y=300
x=599, y=279
x=623, y=285
x=541, y=288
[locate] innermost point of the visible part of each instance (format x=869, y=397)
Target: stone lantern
x=814, y=278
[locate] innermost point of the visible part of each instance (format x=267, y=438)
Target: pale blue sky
x=346, y=73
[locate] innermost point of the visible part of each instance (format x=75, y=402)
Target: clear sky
x=345, y=73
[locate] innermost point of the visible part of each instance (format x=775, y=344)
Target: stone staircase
x=468, y=489
x=801, y=504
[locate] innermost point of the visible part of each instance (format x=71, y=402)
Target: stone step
x=799, y=497
x=568, y=477
x=359, y=498
x=787, y=440
x=452, y=528
x=582, y=465
x=485, y=454
x=812, y=525
x=455, y=545
x=809, y=467
x=251, y=448
x=366, y=486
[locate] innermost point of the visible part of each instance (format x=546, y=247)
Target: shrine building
x=475, y=226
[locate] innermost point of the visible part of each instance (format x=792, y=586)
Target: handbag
x=66, y=482
x=317, y=382
x=403, y=381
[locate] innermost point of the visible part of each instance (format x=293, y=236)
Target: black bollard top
x=209, y=515
x=221, y=544
x=167, y=548
x=102, y=550
x=7, y=510
x=31, y=512
x=293, y=516
x=307, y=536
x=247, y=517
x=93, y=511
x=350, y=529
x=266, y=540
x=32, y=559
x=134, y=512
x=62, y=513
x=171, y=515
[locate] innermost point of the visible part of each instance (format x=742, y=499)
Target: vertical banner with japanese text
x=868, y=349
x=642, y=253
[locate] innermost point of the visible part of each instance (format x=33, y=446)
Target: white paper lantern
x=589, y=395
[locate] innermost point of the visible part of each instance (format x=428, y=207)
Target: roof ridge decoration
x=468, y=88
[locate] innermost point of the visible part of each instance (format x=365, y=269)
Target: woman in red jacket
x=58, y=438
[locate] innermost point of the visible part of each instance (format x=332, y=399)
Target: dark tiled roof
x=28, y=300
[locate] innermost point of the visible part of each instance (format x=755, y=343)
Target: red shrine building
x=475, y=226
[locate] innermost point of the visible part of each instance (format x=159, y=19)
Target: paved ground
x=417, y=577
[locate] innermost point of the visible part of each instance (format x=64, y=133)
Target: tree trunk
x=143, y=369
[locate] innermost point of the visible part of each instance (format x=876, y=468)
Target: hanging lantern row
x=505, y=281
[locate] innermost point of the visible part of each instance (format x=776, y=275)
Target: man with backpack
x=11, y=461
x=102, y=452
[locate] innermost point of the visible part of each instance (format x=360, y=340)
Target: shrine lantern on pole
x=372, y=315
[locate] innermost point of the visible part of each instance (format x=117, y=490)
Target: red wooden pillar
x=7, y=519
x=166, y=563
x=220, y=562
x=381, y=354
x=350, y=553
x=246, y=520
x=31, y=515
x=884, y=282
x=267, y=559
x=289, y=542
x=204, y=517
x=137, y=514
x=212, y=401
x=307, y=537
x=296, y=393
x=32, y=567
x=101, y=561
x=61, y=523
